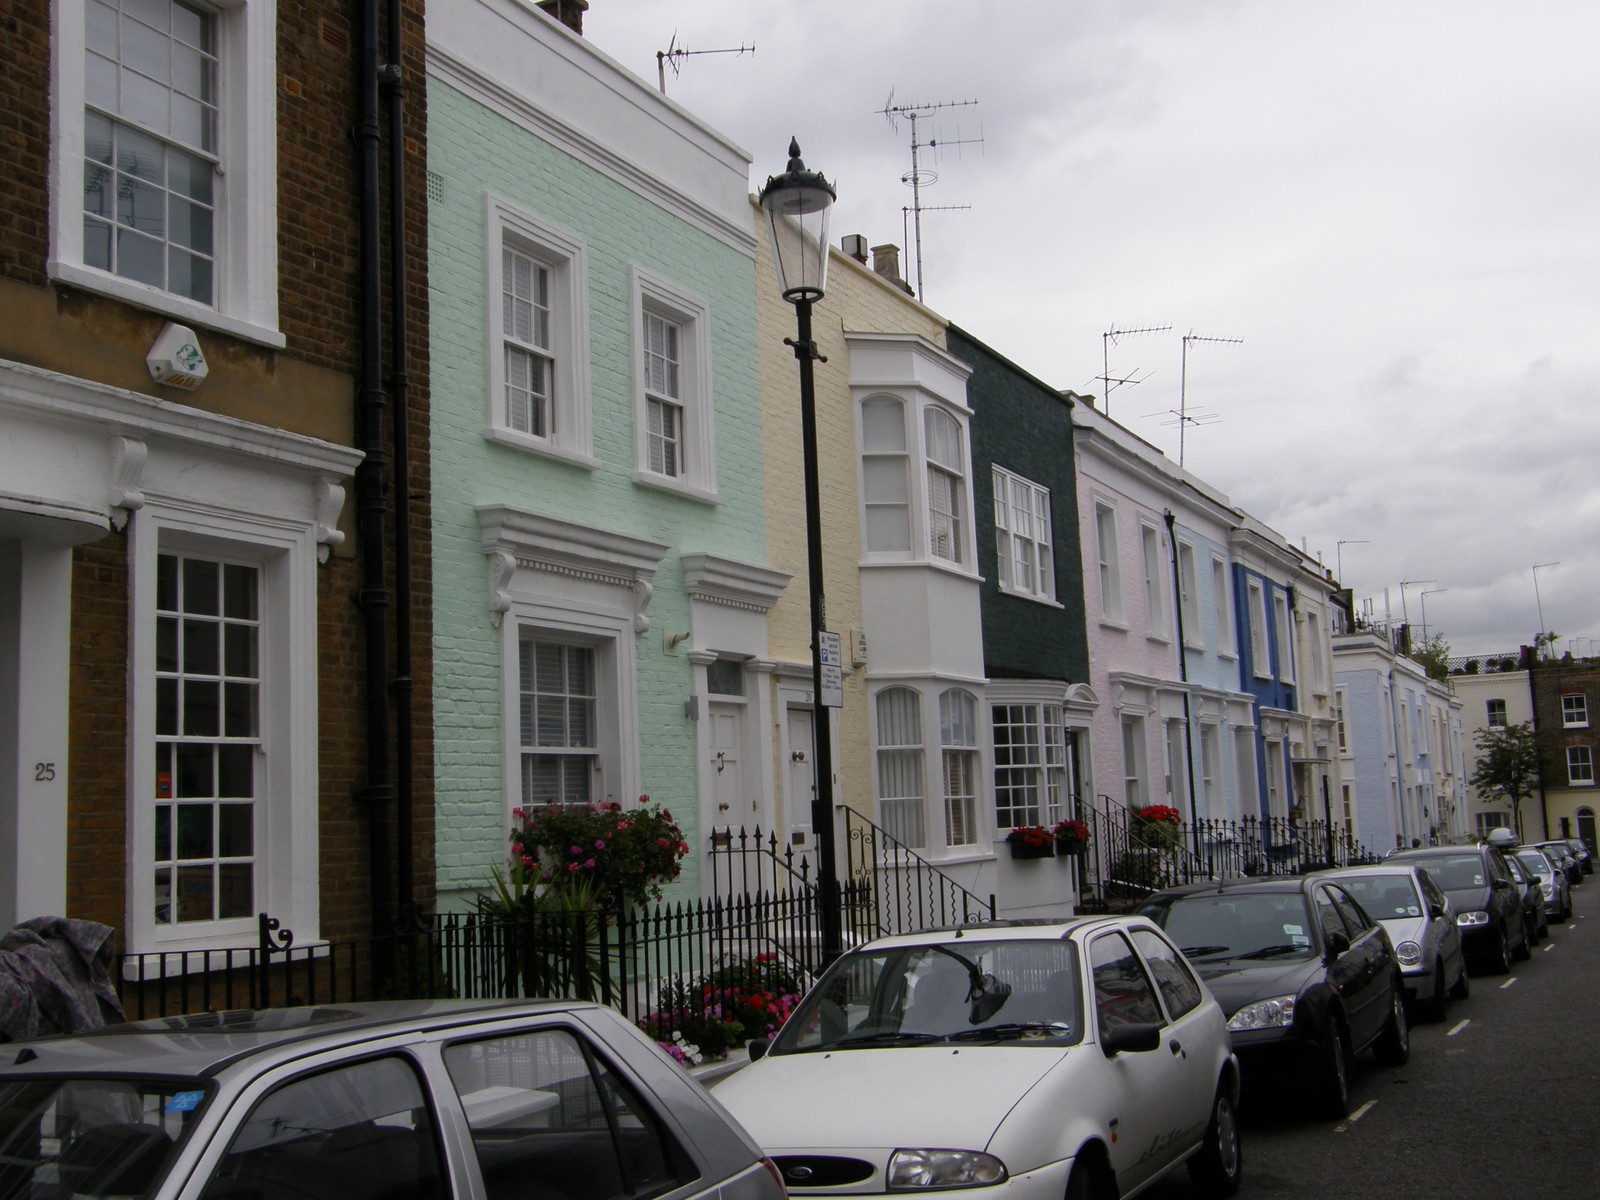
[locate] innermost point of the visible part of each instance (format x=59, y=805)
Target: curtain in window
x=900, y=753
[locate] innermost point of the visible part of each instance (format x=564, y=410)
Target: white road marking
x=1459, y=1027
x=1508, y=983
x=1354, y=1117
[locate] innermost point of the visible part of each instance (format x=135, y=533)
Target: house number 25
x=44, y=772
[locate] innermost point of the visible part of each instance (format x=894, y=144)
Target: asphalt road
x=1500, y=1100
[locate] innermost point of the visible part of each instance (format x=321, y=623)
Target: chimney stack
x=568, y=12
x=886, y=262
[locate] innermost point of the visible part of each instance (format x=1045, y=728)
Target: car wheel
x=1499, y=961
x=1333, y=1090
x=1433, y=1008
x=1524, y=950
x=1084, y=1182
x=1393, y=1047
x=1218, y=1165
x=1463, y=987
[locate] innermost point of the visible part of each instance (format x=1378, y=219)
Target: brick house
x=197, y=633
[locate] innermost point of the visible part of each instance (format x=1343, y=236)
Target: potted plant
x=1072, y=836
x=1031, y=841
x=1159, y=826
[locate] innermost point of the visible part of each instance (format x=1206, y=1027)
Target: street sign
x=832, y=654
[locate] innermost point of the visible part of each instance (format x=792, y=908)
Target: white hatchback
x=1031, y=1060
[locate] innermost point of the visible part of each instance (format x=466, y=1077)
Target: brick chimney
x=886, y=262
x=568, y=12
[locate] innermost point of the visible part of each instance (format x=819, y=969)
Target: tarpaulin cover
x=55, y=977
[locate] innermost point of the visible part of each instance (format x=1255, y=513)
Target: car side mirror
x=1438, y=910
x=1338, y=943
x=1135, y=1038
x=758, y=1049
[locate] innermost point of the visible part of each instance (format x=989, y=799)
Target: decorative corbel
x=643, y=592
x=128, y=458
x=330, y=503
x=502, y=566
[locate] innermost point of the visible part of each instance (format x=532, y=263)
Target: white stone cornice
x=533, y=541
x=734, y=584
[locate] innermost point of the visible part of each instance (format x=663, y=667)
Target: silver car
x=1417, y=915
x=407, y=1100
x=1553, y=883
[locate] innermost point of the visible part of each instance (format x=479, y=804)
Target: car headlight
x=1264, y=1014
x=1472, y=918
x=1548, y=889
x=1409, y=953
x=926, y=1170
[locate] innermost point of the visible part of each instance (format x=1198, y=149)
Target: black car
x=1305, y=977
x=1486, y=898
x=1534, y=919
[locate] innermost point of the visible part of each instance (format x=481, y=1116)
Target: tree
x=1507, y=766
x=1434, y=657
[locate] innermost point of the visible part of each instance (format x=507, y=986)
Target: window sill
x=533, y=445
x=1114, y=623
x=177, y=308
x=1032, y=597
x=687, y=491
x=926, y=564
x=1580, y=783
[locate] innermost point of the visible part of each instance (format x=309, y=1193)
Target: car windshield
x=967, y=990
x=1455, y=871
x=1385, y=897
x=91, y=1137
x=1215, y=925
x=1535, y=862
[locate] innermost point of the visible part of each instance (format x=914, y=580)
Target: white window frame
x=1495, y=713
x=1340, y=729
x=1108, y=557
x=1222, y=599
x=885, y=478
x=1574, y=710
x=909, y=824
x=1189, y=595
x=959, y=754
x=1260, y=648
x=1022, y=532
x=697, y=476
x=1580, y=766
x=1041, y=769
x=565, y=257
x=959, y=517
x=245, y=231
x=1155, y=591
x=1284, y=621
x=1135, y=762
x=1211, y=770
x=1313, y=646
x=286, y=812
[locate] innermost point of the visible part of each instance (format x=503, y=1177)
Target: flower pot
x=1028, y=850
x=1070, y=846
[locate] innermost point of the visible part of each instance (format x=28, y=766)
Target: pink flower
x=527, y=860
x=577, y=850
x=599, y=845
x=519, y=849
x=589, y=866
x=518, y=813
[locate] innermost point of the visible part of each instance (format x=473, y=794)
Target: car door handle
x=1177, y=1048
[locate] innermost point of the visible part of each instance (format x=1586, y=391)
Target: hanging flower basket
x=1031, y=841
x=1158, y=826
x=1072, y=837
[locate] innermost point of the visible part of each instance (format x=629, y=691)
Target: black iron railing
x=893, y=889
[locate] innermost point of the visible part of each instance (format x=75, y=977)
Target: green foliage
x=1508, y=765
x=1433, y=656
x=748, y=998
x=601, y=852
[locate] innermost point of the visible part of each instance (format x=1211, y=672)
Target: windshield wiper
x=1194, y=951
x=885, y=1037
x=1009, y=1029
x=1270, y=951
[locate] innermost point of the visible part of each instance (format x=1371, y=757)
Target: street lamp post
x=797, y=204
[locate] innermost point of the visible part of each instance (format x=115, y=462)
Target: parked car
x=1580, y=850
x=1561, y=854
x=1553, y=886
x=1307, y=979
x=1485, y=897
x=1076, y=1058
x=416, y=1099
x=1420, y=922
x=1534, y=919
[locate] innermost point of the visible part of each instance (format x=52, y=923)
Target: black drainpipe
x=1183, y=670
x=399, y=385
x=371, y=500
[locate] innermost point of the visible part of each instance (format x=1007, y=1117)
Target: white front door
x=734, y=802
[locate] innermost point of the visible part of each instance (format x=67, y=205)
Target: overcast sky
x=1395, y=205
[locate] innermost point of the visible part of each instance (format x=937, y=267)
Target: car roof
x=1436, y=851
x=1386, y=868
x=203, y=1044
x=1242, y=883
x=1016, y=930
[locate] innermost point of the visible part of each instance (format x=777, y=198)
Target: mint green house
x=600, y=593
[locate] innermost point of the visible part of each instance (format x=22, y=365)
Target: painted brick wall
x=474, y=151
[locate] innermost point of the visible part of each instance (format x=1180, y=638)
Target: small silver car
x=406, y=1100
x=1553, y=884
x=1421, y=924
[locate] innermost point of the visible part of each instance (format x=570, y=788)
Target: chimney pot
x=886, y=262
x=568, y=12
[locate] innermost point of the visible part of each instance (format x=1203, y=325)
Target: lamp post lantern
x=797, y=205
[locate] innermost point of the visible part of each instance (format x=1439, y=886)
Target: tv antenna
x=1184, y=420
x=1110, y=338
x=919, y=176
x=674, y=55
